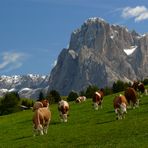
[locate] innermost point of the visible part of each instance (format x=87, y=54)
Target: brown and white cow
x=138, y=86
x=40, y=104
x=98, y=99
x=131, y=97
x=81, y=99
x=120, y=106
x=63, y=108
x=41, y=120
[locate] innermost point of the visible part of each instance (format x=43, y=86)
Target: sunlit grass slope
x=86, y=128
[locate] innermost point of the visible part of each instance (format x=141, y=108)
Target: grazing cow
x=81, y=99
x=40, y=104
x=41, y=120
x=98, y=99
x=63, y=108
x=141, y=87
x=120, y=106
x=131, y=97
x=138, y=86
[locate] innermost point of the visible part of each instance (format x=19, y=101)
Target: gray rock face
x=100, y=54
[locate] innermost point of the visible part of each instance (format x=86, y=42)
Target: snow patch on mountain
x=130, y=50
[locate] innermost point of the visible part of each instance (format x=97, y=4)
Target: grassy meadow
x=86, y=128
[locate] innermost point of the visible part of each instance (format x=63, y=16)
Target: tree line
x=11, y=102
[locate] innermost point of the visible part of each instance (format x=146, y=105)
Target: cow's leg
x=132, y=105
x=120, y=114
x=124, y=114
x=146, y=92
x=96, y=106
x=35, y=131
x=117, y=113
x=61, y=117
x=45, y=129
x=40, y=129
x=137, y=103
x=65, y=117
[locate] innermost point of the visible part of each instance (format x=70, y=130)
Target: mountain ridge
x=97, y=55
x=27, y=86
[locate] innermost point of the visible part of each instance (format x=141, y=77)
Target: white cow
x=63, y=108
x=81, y=99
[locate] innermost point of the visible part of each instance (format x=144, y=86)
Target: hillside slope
x=85, y=128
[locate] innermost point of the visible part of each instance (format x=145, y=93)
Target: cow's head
x=78, y=100
x=123, y=108
x=45, y=103
x=64, y=113
x=63, y=117
x=37, y=105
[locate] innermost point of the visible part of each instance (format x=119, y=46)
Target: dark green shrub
x=10, y=103
x=53, y=96
x=41, y=96
x=107, y=91
x=118, y=86
x=72, y=96
x=145, y=81
x=90, y=91
x=27, y=102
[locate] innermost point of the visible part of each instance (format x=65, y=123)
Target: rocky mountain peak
x=99, y=54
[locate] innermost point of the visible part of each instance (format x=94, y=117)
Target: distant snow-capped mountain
x=26, y=85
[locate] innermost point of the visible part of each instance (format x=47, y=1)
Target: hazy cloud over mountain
x=11, y=60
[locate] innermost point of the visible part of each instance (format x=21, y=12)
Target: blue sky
x=33, y=32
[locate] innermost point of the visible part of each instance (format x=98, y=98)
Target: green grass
x=86, y=128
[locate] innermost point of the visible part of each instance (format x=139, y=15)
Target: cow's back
x=41, y=115
x=45, y=113
x=37, y=105
x=130, y=95
x=117, y=102
x=141, y=88
x=123, y=99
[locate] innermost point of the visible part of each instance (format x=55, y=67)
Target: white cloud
x=139, y=13
x=11, y=61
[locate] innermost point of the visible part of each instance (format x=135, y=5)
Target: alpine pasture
x=86, y=128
